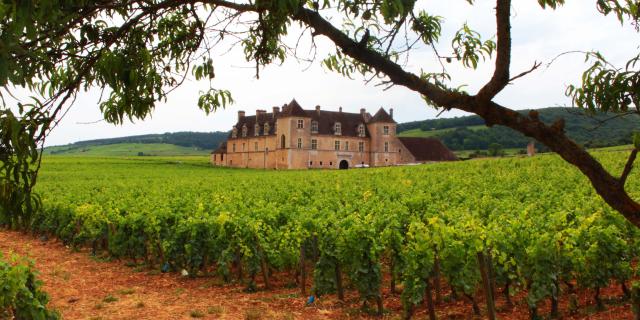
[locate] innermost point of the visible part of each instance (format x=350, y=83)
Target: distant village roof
x=427, y=149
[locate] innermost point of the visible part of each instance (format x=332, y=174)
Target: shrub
x=20, y=293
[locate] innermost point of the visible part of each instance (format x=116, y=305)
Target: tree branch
x=500, y=77
x=628, y=166
x=604, y=183
x=536, y=65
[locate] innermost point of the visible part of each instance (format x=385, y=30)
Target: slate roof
x=427, y=149
x=221, y=149
x=382, y=116
x=250, y=122
x=293, y=109
x=349, y=122
x=326, y=120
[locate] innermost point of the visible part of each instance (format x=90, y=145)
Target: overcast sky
x=538, y=35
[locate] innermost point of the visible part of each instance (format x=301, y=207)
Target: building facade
x=294, y=138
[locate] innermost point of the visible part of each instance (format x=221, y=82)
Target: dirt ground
x=83, y=287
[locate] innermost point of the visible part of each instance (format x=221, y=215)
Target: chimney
x=340, y=109
x=276, y=110
x=240, y=115
x=318, y=109
x=391, y=112
x=363, y=113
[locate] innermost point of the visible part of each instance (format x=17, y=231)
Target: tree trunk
x=533, y=312
x=507, y=295
x=554, y=301
x=454, y=294
x=492, y=275
x=437, y=281
x=635, y=301
x=474, y=304
x=392, y=285
x=625, y=290
x=486, y=286
x=339, y=282
x=303, y=272
x=265, y=272
x=238, y=262
x=599, y=303
x=408, y=313
x=428, y=296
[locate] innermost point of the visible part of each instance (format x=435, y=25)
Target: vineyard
x=524, y=231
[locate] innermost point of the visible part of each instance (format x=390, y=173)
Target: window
x=266, y=129
x=337, y=128
x=256, y=130
x=320, y=163
x=314, y=126
x=222, y=157
x=314, y=144
x=346, y=146
x=310, y=163
x=385, y=130
x=361, y=146
x=337, y=145
x=300, y=124
x=234, y=147
x=243, y=147
x=283, y=141
x=386, y=147
x=255, y=146
x=244, y=130
x=299, y=143
x=330, y=163
x=361, y=130
x=234, y=133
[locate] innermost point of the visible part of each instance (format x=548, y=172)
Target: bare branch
x=536, y=65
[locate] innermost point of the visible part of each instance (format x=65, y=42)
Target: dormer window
x=256, y=130
x=300, y=124
x=234, y=132
x=314, y=126
x=361, y=130
x=266, y=128
x=337, y=128
x=244, y=130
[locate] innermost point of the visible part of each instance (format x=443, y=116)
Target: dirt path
x=81, y=287
x=84, y=288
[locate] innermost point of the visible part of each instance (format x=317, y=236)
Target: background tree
x=136, y=52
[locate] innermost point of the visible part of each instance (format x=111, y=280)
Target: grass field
x=127, y=149
x=426, y=134
x=259, y=227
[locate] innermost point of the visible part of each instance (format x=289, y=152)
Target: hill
x=470, y=132
x=129, y=150
x=177, y=143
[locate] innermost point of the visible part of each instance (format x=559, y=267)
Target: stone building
x=294, y=138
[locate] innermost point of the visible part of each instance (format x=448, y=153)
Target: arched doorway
x=344, y=164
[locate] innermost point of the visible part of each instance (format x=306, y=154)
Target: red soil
x=82, y=287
